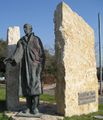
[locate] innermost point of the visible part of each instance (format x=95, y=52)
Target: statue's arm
x=16, y=57
x=18, y=53
x=41, y=52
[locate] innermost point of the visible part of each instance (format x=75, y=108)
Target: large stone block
x=77, y=85
x=12, y=97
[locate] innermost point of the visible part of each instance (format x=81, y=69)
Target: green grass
x=2, y=92
x=2, y=117
x=48, y=98
x=87, y=117
x=2, y=102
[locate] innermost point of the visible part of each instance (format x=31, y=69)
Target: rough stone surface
x=75, y=60
x=12, y=98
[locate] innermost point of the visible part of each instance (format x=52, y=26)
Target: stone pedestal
x=77, y=85
x=12, y=97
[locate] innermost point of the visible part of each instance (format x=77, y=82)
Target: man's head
x=27, y=29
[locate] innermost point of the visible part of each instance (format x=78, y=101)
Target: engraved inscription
x=86, y=97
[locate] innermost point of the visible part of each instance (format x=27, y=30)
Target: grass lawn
x=49, y=99
x=2, y=102
x=2, y=92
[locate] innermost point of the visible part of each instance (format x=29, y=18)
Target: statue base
x=21, y=114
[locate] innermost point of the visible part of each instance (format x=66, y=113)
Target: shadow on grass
x=48, y=108
x=2, y=105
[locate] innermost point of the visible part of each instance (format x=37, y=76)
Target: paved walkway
x=49, y=89
x=101, y=99
x=43, y=117
x=48, y=113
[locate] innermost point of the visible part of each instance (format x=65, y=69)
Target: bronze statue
x=30, y=54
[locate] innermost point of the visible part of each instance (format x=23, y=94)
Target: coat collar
x=28, y=38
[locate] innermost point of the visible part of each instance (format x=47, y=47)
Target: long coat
x=30, y=54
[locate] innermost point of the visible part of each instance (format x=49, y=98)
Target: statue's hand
x=7, y=60
x=13, y=63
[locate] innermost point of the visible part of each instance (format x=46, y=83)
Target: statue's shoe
x=26, y=111
x=35, y=111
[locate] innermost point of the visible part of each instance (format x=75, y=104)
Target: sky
x=40, y=14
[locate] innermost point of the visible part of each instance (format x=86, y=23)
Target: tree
x=3, y=46
x=50, y=67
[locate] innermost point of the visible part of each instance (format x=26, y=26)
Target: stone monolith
x=76, y=85
x=12, y=97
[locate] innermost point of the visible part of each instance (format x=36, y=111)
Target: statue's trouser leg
x=35, y=104
x=29, y=102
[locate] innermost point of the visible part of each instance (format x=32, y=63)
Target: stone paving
x=49, y=89
x=48, y=113
x=43, y=117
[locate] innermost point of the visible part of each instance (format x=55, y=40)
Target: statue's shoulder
x=39, y=42
x=38, y=39
x=21, y=39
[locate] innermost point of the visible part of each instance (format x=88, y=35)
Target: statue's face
x=27, y=30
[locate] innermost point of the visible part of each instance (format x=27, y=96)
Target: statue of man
x=30, y=54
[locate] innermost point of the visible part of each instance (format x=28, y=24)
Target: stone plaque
x=86, y=97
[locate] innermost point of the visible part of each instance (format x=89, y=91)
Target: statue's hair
x=27, y=25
